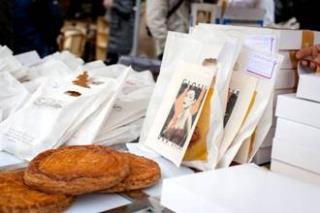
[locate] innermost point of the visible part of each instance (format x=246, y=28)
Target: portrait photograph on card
x=185, y=109
x=179, y=112
x=203, y=16
x=233, y=96
x=202, y=13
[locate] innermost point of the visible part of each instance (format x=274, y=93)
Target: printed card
x=262, y=42
x=203, y=13
x=262, y=65
x=179, y=112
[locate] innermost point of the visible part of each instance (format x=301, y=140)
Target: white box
x=286, y=79
x=292, y=39
x=275, y=101
x=298, y=134
x=292, y=108
x=295, y=172
x=243, y=17
x=288, y=63
x=309, y=87
x=241, y=189
x=263, y=155
x=278, y=92
x=292, y=153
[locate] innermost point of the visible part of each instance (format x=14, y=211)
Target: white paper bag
x=130, y=106
x=262, y=39
x=241, y=95
x=10, y=64
x=89, y=130
x=1, y=115
x=264, y=66
x=13, y=66
x=5, y=51
x=265, y=40
x=124, y=134
x=50, y=112
x=203, y=151
x=50, y=68
x=178, y=47
x=67, y=58
x=179, y=112
x=29, y=58
x=12, y=94
x=34, y=84
x=124, y=111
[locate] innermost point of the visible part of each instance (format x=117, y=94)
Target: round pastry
x=143, y=173
x=15, y=196
x=76, y=170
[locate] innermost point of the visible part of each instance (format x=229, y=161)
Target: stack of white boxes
x=289, y=43
x=296, y=147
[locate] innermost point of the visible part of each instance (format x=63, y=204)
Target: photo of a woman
x=203, y=17
x=182, y=115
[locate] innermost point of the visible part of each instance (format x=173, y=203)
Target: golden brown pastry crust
x=143, y=173
x=15, y=196
x=75, y=170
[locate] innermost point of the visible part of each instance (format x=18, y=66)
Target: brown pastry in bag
x=76, y=170
x=143, y=173
x=15, y=196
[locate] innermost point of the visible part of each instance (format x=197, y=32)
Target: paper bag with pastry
x=53, y=109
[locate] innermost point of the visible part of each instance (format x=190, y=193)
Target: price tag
x=261, y=65
x=261, y=42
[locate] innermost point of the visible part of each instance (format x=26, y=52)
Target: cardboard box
x=295, y=172
x=286, y=79
x=302, y=111
x=289, y=59
x=263, y=155
x=309, y=87
x=303, y=156
x=240, y=189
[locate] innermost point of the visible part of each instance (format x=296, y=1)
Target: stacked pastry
x=54, y=177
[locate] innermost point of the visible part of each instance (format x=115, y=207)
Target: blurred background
x=109, y=29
